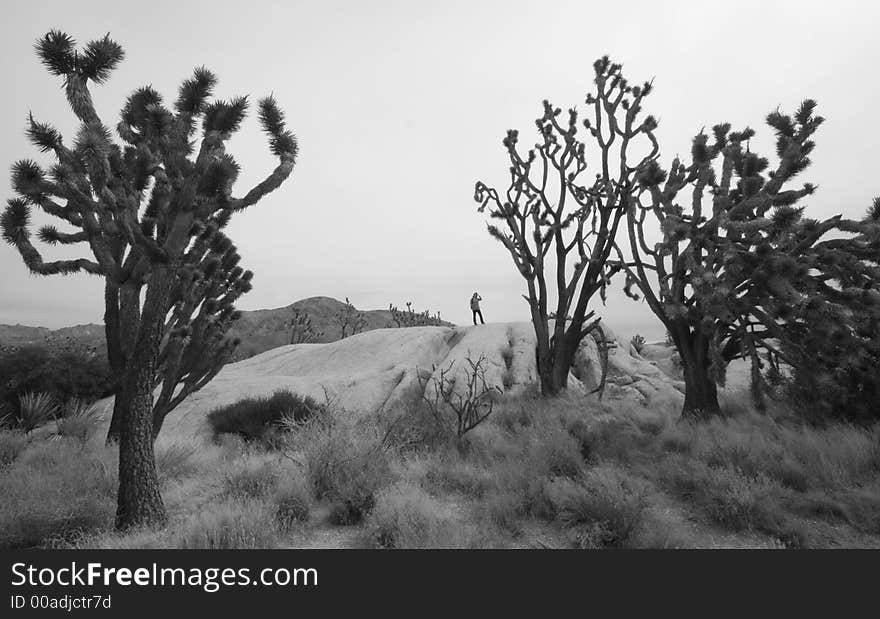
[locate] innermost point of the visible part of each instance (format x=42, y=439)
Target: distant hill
x=82, y=338
x=259, y=330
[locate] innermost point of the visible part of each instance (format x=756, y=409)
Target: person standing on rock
x=475, y=307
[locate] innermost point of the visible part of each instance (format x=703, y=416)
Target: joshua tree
x=350, y=319
x=411, y=318
x=832, y=338
x=301, y=329
x=549, y=209
x=738, y=268
x=150, y=210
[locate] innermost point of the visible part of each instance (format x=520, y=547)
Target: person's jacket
x=475, y=303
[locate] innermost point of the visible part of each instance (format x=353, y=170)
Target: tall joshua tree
x=150, y=211
x=831, y=335
x=738, y=269
x=549, y=209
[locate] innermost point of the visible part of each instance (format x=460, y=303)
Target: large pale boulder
x=632, y=379
x=367, y=372
x=380, y=370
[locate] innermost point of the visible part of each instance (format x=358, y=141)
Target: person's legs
x=482, y=322
x=475, y=316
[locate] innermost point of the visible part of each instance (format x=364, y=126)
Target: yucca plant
x=79, y=420
x=35, y=409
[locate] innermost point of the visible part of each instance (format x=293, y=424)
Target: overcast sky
x=400, y=107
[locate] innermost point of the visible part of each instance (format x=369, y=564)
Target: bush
x=230, y=525
x=65, y=375
x=12, y=444
x=293, y=503
x=260, y=419
x=406, y=516
x=346, y=470
x=56, y=490
x=448, y=471
x=733, y=499
x=615, y=439
x=250, y=480
x=175, y=460
x=604, y=506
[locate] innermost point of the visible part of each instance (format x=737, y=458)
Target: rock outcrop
x=379, y=370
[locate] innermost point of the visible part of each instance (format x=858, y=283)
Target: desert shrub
x=79, y=420
x=415, y=429
x=798, y=456
x=405, y=516
x=525, y=447
x=63, y=374
x=56, y=490
x=12, y=444
x=616, y=439
x=35, y=409
x=231, y=524
x=733, y=499
x=520, y=479
x=232, y=446
x=603, y=507
x=250, y=480
x=293, y=503
x=175, y=460
x=554, y=452
x=346, y=469
x=512, y=418
x=259, y=419
x=447, y=471
x=504, y=509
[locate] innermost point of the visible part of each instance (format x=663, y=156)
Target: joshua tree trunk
x=121, y=316
x=139, y=502
x=554, y=362
x=700, y=391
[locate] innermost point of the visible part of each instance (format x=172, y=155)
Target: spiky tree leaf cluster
x=739, y=268
x=411, y=318
x=832, y=341
x=301, y=329
x=559, y=222
x=151, y=212
x=350, y=320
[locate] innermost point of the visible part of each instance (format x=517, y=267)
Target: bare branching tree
x=471, y=405
x=555, y=211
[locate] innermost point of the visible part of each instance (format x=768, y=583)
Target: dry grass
x=56, y=490
x=12, y=444
x=587, y=478
x=231, y=524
